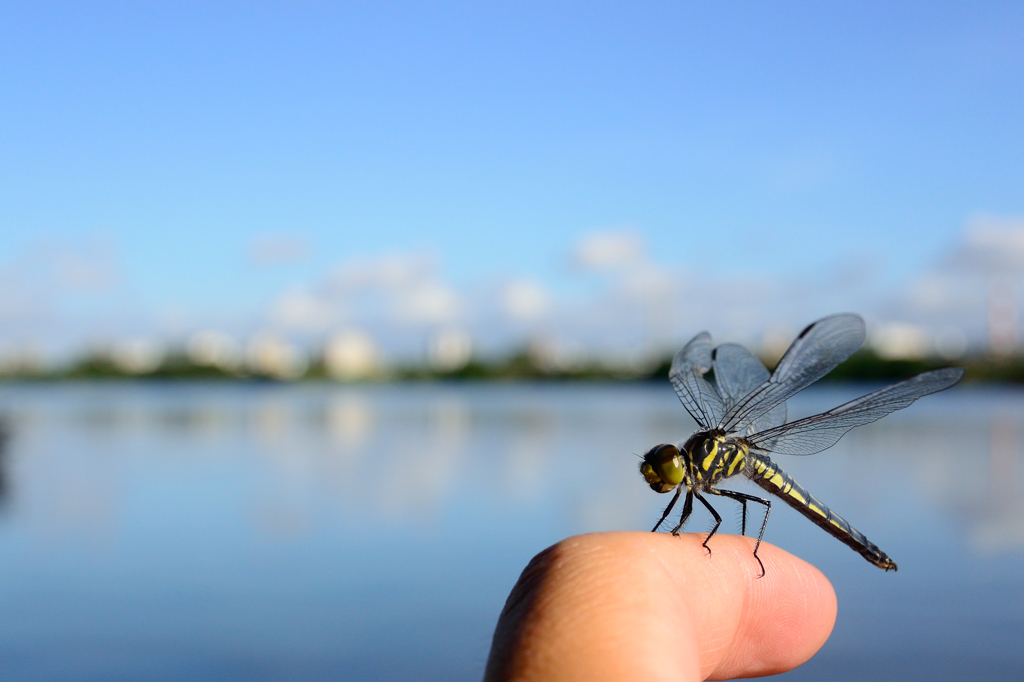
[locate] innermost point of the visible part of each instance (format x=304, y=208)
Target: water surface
x=307, y=532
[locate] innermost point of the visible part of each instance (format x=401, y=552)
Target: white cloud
x=395, y=297
x=384, y=273
x=398, y=288
x=636, y=304
x=50, y=269
x=524, y=299
x=429, y=302
x=302, y=310
x=92, y=269
x=992, y=245
x=649, y=282
x=602, y=251
x=57, y=292
x=617, y=300
x=980, y=276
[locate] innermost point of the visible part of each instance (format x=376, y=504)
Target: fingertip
x=593, y=607
x=606, y=605
x=744, y=623
x=787, y=615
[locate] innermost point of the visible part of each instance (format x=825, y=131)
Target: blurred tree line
x=865, y=365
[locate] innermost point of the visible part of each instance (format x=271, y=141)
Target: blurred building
x=352, y=355
x=450, y=350
x=1002, y=316
x=951, y=343
x=211, y=348
x=550, y=354
x=273, y=356
x=20, y=359
x=901, y=341
x=137, y=356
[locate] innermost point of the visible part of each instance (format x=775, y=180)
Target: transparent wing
x=816, y=351
x=687, y=376
x=770, y=419
x=822, y=431
x=737, y=373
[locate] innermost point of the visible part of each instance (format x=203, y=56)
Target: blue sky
x=195, y=162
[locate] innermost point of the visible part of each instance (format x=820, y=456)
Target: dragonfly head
x=662, y=468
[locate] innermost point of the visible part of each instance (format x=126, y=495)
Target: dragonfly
x=740, y=410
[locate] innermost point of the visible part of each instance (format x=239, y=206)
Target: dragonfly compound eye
x=662, y=468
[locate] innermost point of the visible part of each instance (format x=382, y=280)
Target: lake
x=242, y=531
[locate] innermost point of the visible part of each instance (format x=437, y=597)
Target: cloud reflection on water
x=397, y=455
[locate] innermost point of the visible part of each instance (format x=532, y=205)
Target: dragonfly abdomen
x=769, y=476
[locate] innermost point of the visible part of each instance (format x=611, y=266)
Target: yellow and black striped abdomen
x=769, y=476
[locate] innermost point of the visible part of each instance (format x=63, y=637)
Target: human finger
x=656, y=607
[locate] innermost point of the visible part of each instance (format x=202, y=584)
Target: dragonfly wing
x=737, y=373
x=816, y=351
x=687, y=376
x=769, y=420
x=822, y=431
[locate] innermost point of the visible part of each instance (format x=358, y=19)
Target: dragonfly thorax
x=710, y=456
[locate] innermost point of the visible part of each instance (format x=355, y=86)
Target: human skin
x=652, y=607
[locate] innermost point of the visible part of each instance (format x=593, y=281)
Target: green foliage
x=864, y=365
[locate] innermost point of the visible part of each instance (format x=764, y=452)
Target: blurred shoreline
x=865, y=365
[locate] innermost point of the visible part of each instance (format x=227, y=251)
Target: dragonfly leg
x=668, y=510
x=743, y=517
x=718, y=521
x=743, y=498
x=687, y=510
